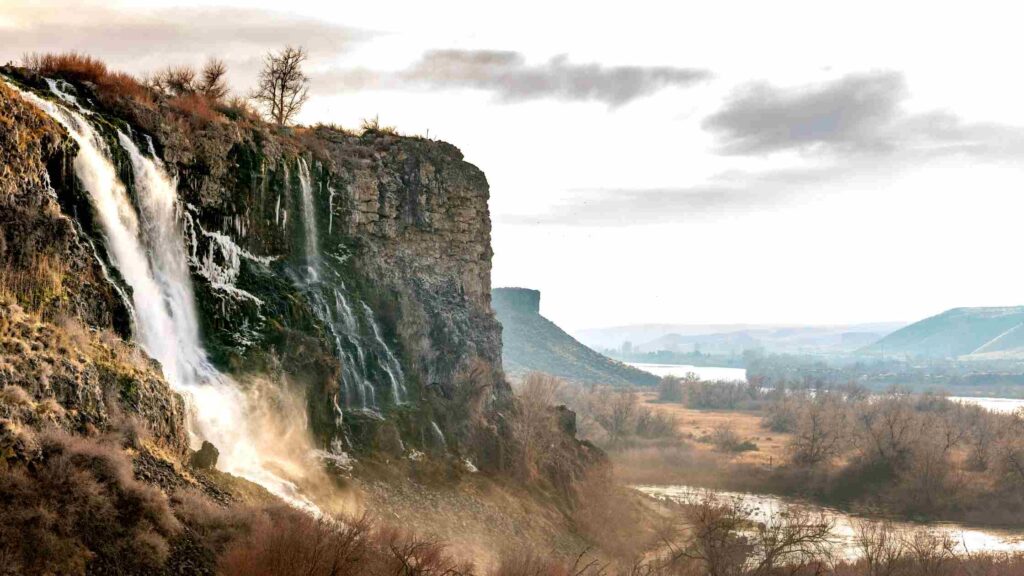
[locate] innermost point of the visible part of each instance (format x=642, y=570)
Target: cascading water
x=150, y=256
x=366, y=357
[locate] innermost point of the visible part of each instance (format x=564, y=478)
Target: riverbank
x=922, y=465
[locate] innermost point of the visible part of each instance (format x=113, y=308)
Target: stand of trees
x=910, y=454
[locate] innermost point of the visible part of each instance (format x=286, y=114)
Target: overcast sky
x=737, y=162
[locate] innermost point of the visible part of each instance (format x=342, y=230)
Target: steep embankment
x=534, y=343
x=970, y=333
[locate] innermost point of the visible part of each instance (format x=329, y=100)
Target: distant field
x=771, y=446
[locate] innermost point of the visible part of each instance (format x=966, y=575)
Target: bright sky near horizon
x=655, y=162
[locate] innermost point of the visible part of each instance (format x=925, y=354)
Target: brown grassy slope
x=82, y=380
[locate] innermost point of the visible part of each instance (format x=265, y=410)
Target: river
x=968, y=538
x=708, y=373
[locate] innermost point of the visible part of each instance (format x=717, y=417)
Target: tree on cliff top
x=283, y=88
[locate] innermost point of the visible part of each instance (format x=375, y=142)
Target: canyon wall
x=351, y=269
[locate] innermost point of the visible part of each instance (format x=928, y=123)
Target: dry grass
x=771, y=446
x=16, y=397
x=36, y=285
x=196, y=106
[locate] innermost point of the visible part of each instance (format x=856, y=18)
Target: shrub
x=79, y=509
x=670, y=389
x=196, y=106
x=722, y=395
x=213, y=85
x=782, y=415
x=84, y=68
x=533, y=424
x=655, y=424
x=373, y=126
x=176, y=80
x=71, y=65
x=16, y=397
x=238, y=108
x=281, y=541
x=725, y=439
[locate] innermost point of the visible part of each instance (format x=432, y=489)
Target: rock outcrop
x=355, y=268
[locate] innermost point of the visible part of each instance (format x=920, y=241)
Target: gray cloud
x=511, y=79
x=856, y=114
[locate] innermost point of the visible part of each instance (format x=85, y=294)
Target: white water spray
x=150, y=255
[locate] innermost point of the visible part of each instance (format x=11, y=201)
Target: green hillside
x=959, y=333
x=534, y=343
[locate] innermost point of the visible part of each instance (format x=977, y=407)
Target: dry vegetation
x=90, y=481
x=76, y=506
x=917, y=455
x=198, y=96
x=84, y=68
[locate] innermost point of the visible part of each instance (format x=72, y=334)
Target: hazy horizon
x=789, y=163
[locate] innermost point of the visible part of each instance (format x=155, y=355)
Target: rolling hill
x=966, y=333
x=531, y=343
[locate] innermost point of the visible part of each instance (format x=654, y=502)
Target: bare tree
x=793, y=538
x=618, y=417
x=932, y=552
x=819, y=433
x=213, y=84
x=283, y=88
x=725, y=539
x=175, y=80
x=712, y=536
x=880, y=547
x=533, y=422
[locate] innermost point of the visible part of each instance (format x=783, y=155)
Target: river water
x=968, y=538
x=708, y=373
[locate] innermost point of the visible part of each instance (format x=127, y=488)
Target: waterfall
x=391, y=365
x=309, y=220
x=355, y=333
x=149, y=252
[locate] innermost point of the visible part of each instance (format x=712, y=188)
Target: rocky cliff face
x=353, y=268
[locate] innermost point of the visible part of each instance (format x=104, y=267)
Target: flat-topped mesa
x=532, y=343
x=518, y=299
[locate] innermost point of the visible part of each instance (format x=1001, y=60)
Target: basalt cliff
x=351, y=269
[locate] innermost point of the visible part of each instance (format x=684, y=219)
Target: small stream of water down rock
x=365, y=356
x=147, y=247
